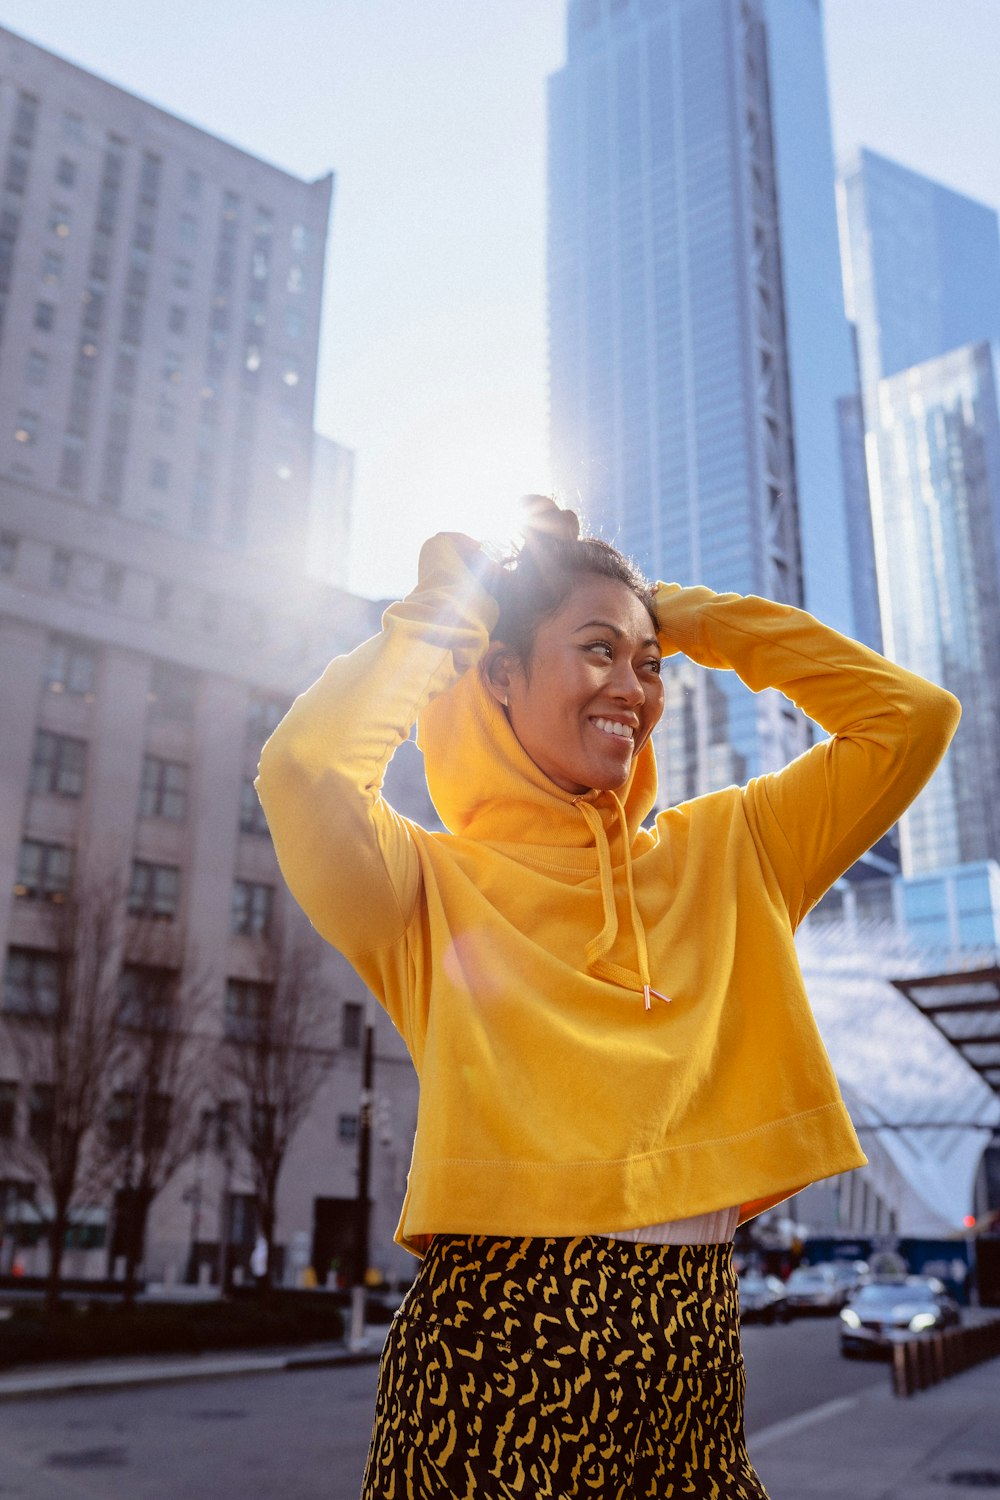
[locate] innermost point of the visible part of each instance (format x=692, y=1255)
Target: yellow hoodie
x=520, y=954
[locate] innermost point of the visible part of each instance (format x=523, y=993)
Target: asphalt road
x=303, y=1436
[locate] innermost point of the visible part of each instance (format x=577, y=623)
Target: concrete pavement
x=940, y=1444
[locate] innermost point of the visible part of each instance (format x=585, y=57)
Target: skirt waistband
x=639, y=1304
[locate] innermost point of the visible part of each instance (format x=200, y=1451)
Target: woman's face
x=590, y=695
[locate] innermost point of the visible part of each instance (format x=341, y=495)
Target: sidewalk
x=114, y=1374
x=940, y=1444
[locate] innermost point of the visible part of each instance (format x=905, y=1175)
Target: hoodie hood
x=485, y=786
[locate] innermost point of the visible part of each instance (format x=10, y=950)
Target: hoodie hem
x=756, y=1168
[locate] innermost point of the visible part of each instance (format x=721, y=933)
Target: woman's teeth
x=611, y=726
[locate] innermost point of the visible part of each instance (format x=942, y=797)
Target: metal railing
x=920, y=1363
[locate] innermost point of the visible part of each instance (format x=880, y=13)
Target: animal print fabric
x=545, y=1369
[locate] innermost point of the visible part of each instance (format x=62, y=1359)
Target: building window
x=192, y=185
x=163, y=792
x=159, y=474
x=166, y=415
x=188, y=229
x=71, y=462
x=59, y=220
x=72, y=127
x=301, y=239
x=172, y=692
x=16, y=176
x=36, y=367
x=71, y=667
x=247, y=1005
x=176, y=318
x=183, y=271
x=351, y=1025
x=252, y=907
x=57, y=764
x=31, y=982
x=347, y=1128
x=59, y=569
x=25, y=116
x=52, y=268
x=8, y=1111
x=66, y=172
x=26, y=430
x=163, y=599
x=41, y=1113
x=290, y=374
x=294, y=324
x=146, y=996
x=44, y=871
x=154, y=890
x=45, y=316
x=8, y=551
x=296, y=281
x=112, y=583
x=263, y=717
x=252, y=819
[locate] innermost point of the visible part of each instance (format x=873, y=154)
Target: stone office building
x=160, y=294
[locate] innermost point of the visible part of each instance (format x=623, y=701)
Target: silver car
x=884, y=1313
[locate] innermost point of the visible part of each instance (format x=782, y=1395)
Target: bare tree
x=161, y=1079
x=275, y=1055
x=61, y=1023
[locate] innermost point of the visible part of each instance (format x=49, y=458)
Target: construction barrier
x=923, y=1362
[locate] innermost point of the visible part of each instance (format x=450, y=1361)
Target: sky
x=431, y=114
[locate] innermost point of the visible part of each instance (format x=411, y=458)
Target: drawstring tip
x=648, y=991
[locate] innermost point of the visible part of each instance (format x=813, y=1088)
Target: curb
x=24, y=1385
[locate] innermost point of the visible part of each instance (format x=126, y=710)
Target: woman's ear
x=497, y=671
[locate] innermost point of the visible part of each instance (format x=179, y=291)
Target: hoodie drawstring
x=599, y=947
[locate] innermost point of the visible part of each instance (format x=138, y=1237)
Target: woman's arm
x=347, y=856
x=889, y=730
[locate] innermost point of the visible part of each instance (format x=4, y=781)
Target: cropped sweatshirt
x=608, y=1021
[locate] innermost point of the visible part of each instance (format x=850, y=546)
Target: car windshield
x=803, y=1277
x=870, y=1296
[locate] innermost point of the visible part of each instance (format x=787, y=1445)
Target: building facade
x=922, y=286
x=935, y=487
x=921, y=269
x=697, y=339
x=160, y=292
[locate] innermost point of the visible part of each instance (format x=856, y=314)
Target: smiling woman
x=582, y=1154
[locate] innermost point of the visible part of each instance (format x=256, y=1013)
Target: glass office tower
x=698, y=343
x=922, y=268
x=936, y=519
x=922, y=282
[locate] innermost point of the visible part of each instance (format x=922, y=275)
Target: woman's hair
x=537, y=577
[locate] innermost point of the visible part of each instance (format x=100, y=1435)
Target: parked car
x=762, y=1298
x=815, y=1289
x=884, y=1313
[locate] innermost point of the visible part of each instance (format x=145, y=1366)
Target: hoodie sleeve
x=348, y=858
x=888, y=730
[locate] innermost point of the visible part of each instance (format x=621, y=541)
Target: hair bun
x=544, y=520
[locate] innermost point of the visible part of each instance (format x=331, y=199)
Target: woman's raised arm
x=347, y=856
x=888, y=730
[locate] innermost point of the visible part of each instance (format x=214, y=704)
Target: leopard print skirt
x=518, y=1369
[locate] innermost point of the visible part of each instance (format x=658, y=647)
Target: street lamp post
x=358, y=1338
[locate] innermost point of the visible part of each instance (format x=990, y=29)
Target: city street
x=303, y=1436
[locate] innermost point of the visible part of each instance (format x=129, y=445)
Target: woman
x=616, y=1056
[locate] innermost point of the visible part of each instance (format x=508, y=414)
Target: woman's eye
x=654, y=664
x=603, y=646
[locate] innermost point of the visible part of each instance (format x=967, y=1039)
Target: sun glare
x=464, y=471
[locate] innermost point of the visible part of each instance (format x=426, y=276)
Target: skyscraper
x=159, y=312
x=921, y=268
x=698, y=344
x=160, y=292
x=935, y=485
x=922, y=283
